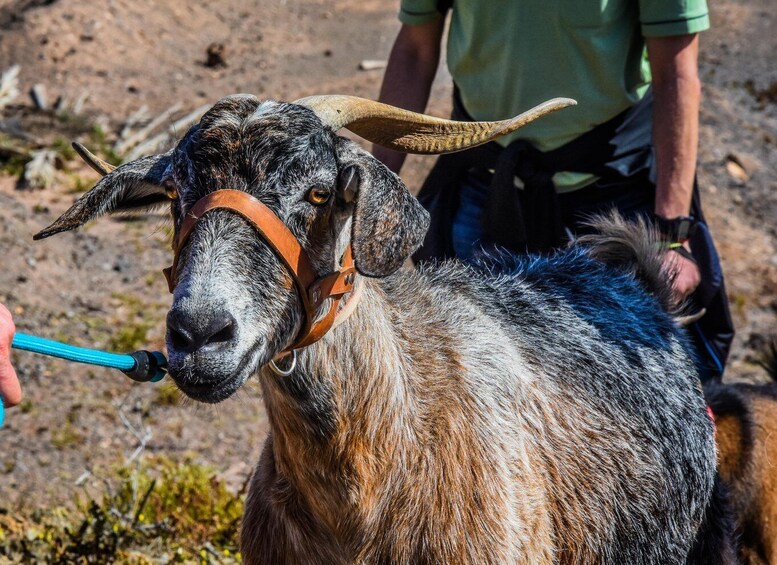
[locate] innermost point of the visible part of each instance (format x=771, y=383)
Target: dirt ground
x=102, y=287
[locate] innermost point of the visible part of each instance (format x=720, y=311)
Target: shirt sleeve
x=418, y=12
x=660, y=18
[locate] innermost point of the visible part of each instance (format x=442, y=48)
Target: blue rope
x=143, y=366
x=72, y=353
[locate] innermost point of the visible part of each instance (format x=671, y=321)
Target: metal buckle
x=284, y=372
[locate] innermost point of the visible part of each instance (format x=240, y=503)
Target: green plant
x=99, y=142
x=26, y=406
x=73, y=121
x=13, y=156
x=14, y=165
x=130, y=337
x=163, y=511
x=63, y=149
x=167, y=395
x=65, y=436
x=739, y=303
x=79, y=184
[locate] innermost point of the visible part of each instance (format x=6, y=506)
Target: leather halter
x=313, y=290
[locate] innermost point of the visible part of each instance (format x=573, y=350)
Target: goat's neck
x=343, y=415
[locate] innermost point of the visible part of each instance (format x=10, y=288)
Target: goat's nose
x=188, y=333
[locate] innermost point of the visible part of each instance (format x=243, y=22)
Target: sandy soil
x=78, y=423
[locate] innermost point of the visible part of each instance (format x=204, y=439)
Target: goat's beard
x=209, y=380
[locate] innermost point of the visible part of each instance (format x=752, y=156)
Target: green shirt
x=509, y=55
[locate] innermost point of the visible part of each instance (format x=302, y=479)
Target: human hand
x=686, y=273
x=10, y=391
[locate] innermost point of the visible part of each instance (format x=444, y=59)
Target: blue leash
x=142, y=366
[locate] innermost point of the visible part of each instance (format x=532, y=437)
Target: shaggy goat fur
x=525, y=410
x=543, y=411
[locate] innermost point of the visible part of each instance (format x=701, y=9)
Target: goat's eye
x=319, y=196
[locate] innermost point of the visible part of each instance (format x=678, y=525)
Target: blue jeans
x=467, y=230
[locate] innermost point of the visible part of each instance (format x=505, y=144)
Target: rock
x=372, y=65
x=88, y=246
x=216, y=56
x=40, y=171
x=748, y=162
x=9, y=85
x=758, y=341
x=12, y=126
x=90, y=305
x=38, y=95
x=60, y=103
x=122, y=264
x=736, y=171
x=741, y=166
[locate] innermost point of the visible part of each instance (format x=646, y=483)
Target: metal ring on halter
x=285, y=372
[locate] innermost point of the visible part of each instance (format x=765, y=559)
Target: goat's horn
x=410, y=132
x=92, y=160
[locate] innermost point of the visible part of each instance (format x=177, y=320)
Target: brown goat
x=746, y=421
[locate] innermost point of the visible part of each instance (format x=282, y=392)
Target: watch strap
x=679, y=229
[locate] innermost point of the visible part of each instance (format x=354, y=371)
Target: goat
x=747, y=446
x=542, y=411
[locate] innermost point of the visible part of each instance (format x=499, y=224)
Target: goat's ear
x=137, y=184
x=388, y=222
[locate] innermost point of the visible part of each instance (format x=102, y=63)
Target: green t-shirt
x=509, y=55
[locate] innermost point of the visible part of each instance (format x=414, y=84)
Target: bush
x=164, y=511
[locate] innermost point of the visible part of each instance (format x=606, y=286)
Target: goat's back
x=602, y=379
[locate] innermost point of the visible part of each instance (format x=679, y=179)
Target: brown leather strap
x=332, y=286
x=264, y=220
x=313, y=291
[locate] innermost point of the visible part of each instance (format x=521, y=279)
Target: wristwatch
x=677, y=230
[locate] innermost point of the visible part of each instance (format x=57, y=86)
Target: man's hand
x=677, y=92
x=10, y=390
x=686, y=274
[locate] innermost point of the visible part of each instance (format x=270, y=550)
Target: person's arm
x=10, y=391
x=677, y=95
x=409, y=75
